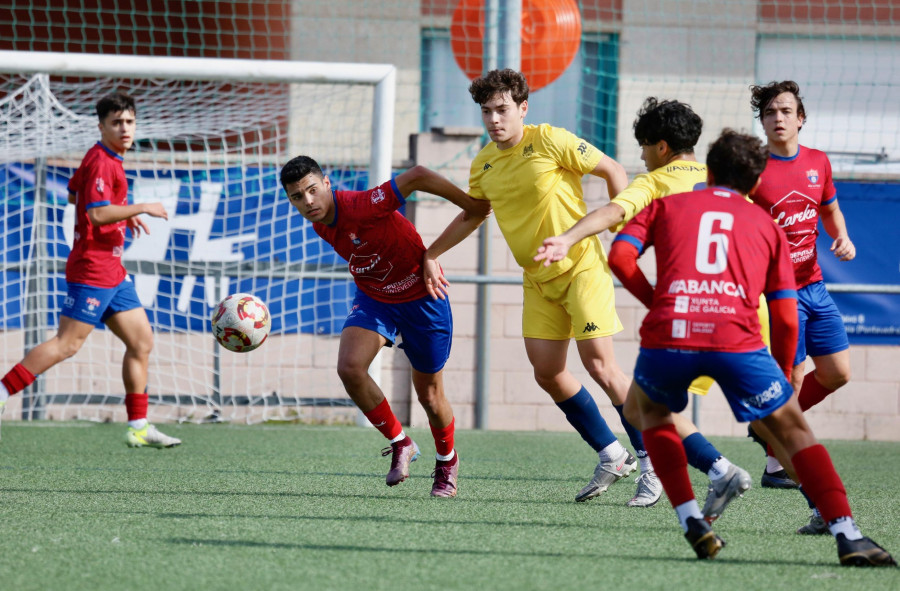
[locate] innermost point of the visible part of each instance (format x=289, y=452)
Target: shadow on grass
x=442, y=521
x=588, y=472
x=568, y=554
x=613, y=502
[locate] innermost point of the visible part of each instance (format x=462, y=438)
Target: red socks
x=17, y=379
x=670, y=462
x=136, y=406
x=821, y=482
x=383, y=419
x=811, y=392
x=443, y=437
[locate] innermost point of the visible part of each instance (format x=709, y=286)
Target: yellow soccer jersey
x=535, y=191
x=679, y=176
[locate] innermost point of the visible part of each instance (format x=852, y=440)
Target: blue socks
x=701, y=454
x=637, y=440
x=582, y=413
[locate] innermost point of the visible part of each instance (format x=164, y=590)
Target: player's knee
x=605, y=375
x=352, y=374
x=549, y=383
x=430, y=398
x=836, y=380
x=68, y=347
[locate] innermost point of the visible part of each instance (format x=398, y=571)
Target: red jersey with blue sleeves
x=715, y=254
x=792, y=190
x=96, y=256
x=383, y=248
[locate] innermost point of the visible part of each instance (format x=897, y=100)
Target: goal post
x=212, y=136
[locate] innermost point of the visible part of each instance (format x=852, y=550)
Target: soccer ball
x=241, y=322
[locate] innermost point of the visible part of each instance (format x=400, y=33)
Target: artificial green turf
x=305, y=507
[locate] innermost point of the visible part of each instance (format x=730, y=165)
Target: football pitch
x=305, y=507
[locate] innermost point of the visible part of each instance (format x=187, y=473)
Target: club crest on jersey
x=354, y=239
x=377, y=195
x=92, y=303
x=528, y=151
x=100, y=185
x=813, y=175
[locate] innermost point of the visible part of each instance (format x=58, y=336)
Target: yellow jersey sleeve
x=679, y=176
x=636, y=196
x=570, y=151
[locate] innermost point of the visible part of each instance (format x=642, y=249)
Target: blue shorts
x=425, y=325
x=753, y=383
x=94, y=305
x=822, y=330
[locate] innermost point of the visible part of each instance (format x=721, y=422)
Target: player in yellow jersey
x=667, y=132
x=532, y=174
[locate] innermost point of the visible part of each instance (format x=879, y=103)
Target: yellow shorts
x=579, y=303
x=702, y=384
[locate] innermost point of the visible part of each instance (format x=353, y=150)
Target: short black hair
x=114, y=103
x=736, y=160
x=499, y=82
x=761, y=96
x=299, y=167
x=672, y=121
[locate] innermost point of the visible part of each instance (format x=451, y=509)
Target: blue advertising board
x=237, y=215
x=872, y=213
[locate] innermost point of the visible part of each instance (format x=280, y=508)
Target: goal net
x=211, y=138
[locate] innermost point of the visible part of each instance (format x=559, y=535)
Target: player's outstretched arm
x=613, y=173
x=623, y=258
x=834, y=223
x=110, y=214
x=420, y=178
x=461, y=226
x=556, y=248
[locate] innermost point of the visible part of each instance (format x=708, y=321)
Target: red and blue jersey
x=383, y=248
x=715, y=254
x=96, y=256
x=792, y=190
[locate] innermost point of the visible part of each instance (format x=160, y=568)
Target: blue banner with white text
x=872, y=213
x=229, y=215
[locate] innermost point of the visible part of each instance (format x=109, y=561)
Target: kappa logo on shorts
x=590, y=327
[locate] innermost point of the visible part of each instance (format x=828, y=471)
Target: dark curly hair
x=499, y=82
x=736, y=160
x=672, y=121
x=299, y=167
x=114, y=103
x=761, y=96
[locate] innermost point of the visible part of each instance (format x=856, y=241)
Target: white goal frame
x=382, y=77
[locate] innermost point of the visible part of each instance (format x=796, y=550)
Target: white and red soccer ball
x=241, y=322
